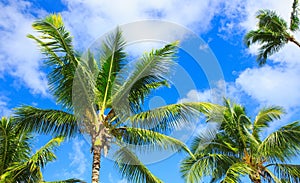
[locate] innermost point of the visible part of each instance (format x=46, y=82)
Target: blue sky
x=221, y=24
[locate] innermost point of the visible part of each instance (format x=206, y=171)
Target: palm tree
x=104, y=99
x=239, y=149
x=273, y=32
x=17, y=162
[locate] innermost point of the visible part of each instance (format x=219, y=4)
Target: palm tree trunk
x=293, y=40
x=96, y=164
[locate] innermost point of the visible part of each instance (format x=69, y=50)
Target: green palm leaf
x=235, y=171
x=193, y=170
x=171, y=116
x=147, y=139
x=30, y=169
x=112, y=60
x=132, y=168
x=56, y=44
x=46, y=121
x=153, y=67
x=264, y=117
x=282, y=144
x=287, y=172
x=14, y=146
x=211, y=142
x=294, y=24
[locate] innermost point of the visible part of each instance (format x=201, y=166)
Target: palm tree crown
x=273, y=32
x=103, y=97
x=239, y=149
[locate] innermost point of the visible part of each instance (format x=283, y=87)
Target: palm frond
x=146, y=139
x=264, y=117
x=153, y=67
x=235, y=123
x=294, y=23
x=271, y=34
x=46, y=121
x=56, y=44
x=211, y=142
x=14, y=145
x=171, y=116
x=45, y=154
x=85, y=94
x=270, y=42
x=282, y=144
x=132, y=168
x=30, y=169
x=66, y=181
x=287, y=172
x=235, y=171
x=194, y=169
x=270, y=48
x=112, y=60
x=269, y=20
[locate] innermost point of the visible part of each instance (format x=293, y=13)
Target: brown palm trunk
x=96, y=164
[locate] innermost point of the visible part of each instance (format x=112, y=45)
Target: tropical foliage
x=240, y=149
x=103, y=97
x=273, y=32
x=17, y=162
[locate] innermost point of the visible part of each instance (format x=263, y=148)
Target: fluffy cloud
x=272, y=86
x=98, y=17
x=19, y=56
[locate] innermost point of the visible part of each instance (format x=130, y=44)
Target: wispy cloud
x=112, y=180
x=4, y=109
x=79, y=162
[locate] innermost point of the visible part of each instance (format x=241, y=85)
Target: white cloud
x=79, y=162
x=98, y=17
x=214, y=94
x=112, y=180
x=272, y=86
x=86, y=20
x=19, y=56
x=4, y=110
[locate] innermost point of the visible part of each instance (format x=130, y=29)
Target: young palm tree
x=273, y=32
x=239, y=149
x=104, y=99
x=17, y=163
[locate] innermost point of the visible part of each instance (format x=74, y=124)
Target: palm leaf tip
x=149, y=72
x=132, y=168
x=152, y=140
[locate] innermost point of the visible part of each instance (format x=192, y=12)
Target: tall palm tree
x=240, y=149
x=273, y=32
x=17, y=162
x=104, y=99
